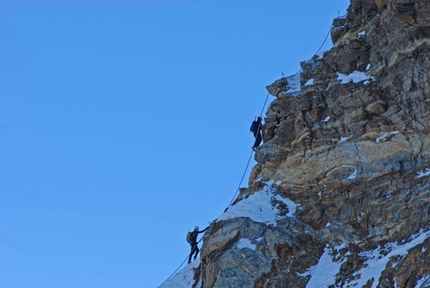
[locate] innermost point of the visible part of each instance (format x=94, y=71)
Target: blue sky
x=124, y=125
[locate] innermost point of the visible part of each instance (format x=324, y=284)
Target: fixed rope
x=325, y=39
x=234, y=196
x=241, y=180
x=174, y=272
x=249, y=160
x=261, y=114
x=247, y=164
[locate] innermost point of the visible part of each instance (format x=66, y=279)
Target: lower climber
x=193, y=242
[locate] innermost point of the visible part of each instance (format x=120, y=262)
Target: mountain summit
x=340, y=196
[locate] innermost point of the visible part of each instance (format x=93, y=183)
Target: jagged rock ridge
x=350, y=148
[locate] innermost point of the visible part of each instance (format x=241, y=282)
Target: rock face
x=348, y=142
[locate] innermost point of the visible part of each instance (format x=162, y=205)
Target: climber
x=256, y=127
x=193, y=242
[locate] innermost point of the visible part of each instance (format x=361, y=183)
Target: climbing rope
x=234, y=196
x=247, y=164
x=241, y=180
x=174, y=272
x=264, y=105
x=249, y=159
x=261, y=115
x=325, y=39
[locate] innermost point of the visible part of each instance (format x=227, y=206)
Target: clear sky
x=124, y=125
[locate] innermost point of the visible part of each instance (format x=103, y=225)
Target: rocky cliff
x=340, y=196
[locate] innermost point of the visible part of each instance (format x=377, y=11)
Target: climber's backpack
x=189, y=237
x=254, y=126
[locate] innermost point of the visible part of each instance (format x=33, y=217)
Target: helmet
x=196, y=228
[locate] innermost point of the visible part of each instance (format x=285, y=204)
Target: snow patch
x=385, y=135
x=362, y=33
x=246, y=243
x=352, y=176
x=355, y=76
x=423, y=174
x=293, y=82
x=258, y=240
x=342, y=139
x=423, y=281
x=326, y=119
x=309, y=82
x=261, y=207
x=324, y=273
x=184, y=278
x=377, y=260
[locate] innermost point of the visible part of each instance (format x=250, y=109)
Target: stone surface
x=349, y=153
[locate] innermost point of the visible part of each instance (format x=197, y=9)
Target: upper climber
x=256, y=127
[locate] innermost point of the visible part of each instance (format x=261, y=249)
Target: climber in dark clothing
x=193, y=242
x=256, y=127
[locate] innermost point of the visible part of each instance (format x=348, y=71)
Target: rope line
x=264, y=105
x=247, y=164
x=325, y=39
x=249, y=159
x=234, y=196
x=241, y=180
x=174, y=272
